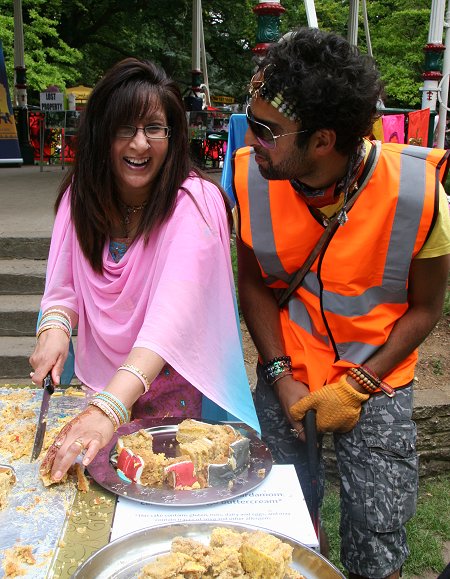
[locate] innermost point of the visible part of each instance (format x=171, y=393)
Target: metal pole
x=311, y=15
x=443, y=95
x=353, y=22
x=366, y=28
x=433, y=56
x=20, y=87
x=204, y=63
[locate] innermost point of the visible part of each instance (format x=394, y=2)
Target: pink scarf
x=174, y=296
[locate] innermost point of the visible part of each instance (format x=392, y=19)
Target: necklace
x=129, y=211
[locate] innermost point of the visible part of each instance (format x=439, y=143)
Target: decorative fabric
x=118, y=248
x=393, y=128
x=174, y=295
x=377, y=130
x=418, y=123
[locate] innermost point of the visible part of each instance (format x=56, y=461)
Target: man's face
x=286, y=160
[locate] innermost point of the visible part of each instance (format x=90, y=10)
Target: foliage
x=71, y=43
x=49, y=60
x=427, y=530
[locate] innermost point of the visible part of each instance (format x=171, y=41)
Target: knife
x=42, y=422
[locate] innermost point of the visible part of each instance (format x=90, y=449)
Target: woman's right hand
x=50, y=355
x=87, y=433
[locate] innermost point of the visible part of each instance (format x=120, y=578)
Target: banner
x=394, y=128
x=418, y=123
x=9, y=145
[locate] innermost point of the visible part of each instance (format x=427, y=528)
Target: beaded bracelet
x=106, y=409
x=386, y=388
x=370, y=381
x=117, y=405
x=138, y=373
x=362, y=380
x=276, y=369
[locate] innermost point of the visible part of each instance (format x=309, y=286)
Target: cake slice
x=263, y=556
x=176, y=565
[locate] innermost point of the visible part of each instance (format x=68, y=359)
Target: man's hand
x=337, y=406
x=290, y=391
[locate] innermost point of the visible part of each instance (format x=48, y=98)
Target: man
x=344, y=342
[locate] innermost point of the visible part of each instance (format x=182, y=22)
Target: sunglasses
x=263, y=133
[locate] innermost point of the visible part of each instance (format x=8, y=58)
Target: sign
x=277, y=505
x=223, y=99
x=52, y=101
x=9, y=145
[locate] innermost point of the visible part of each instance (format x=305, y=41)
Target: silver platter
x=164, y=432
x=125, y=557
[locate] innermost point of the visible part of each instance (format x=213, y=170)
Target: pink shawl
x=174, y=296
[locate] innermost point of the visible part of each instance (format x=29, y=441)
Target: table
x=82, y=523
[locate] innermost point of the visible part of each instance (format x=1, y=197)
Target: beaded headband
x=258, y=87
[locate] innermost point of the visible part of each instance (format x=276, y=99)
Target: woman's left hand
x=86, y=434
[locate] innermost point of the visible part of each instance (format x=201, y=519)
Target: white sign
x=52, y=101
x=277, y=505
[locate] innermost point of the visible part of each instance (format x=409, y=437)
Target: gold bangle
x=138, y=373
x=46, y=327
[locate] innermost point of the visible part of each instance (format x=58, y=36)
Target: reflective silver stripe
x=393, y=289
x=261, y=224
x=406, y=223
x=356, y=352
x=299, y=314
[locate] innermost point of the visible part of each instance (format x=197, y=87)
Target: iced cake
x=206, y=455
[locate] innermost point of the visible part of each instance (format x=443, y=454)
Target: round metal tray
x=164, y=432
x=125, y=557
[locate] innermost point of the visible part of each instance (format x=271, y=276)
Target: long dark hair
x=128, y=90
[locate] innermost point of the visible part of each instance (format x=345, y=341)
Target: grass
x=427, y=530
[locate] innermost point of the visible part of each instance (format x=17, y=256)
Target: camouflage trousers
x=378, y=469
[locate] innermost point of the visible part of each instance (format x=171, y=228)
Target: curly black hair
x=328, y=82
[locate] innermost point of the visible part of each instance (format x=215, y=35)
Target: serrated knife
x=42, y=421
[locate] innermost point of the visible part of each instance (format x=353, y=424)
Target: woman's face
x=138, y=159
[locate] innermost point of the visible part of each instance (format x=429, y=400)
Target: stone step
x=14, y=354
x=24, y=247
x=18, y=314
x=22, y=276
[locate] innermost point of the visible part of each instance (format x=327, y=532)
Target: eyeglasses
x=150, y=131
x=263, y=133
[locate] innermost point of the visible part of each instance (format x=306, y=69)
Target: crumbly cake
x=229, y=555
x=7, y=481
x=264, y=555
x=208, y=455
x=14, y=559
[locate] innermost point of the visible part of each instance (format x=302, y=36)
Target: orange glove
x=337, y=406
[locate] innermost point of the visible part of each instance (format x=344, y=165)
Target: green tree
x=48, y=59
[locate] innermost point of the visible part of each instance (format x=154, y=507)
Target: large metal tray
x=125, y=557
x=164, y=432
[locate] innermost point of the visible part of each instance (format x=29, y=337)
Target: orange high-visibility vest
x=357, y=288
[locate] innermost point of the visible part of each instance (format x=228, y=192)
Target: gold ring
x=58, y=443
x=79, y=442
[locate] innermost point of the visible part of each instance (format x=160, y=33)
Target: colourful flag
x=9, y=145
x=418, y=123
x=394, y=128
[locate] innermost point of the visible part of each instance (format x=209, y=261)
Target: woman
x=139, y=262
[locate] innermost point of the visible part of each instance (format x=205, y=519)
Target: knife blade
x=42, y=421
